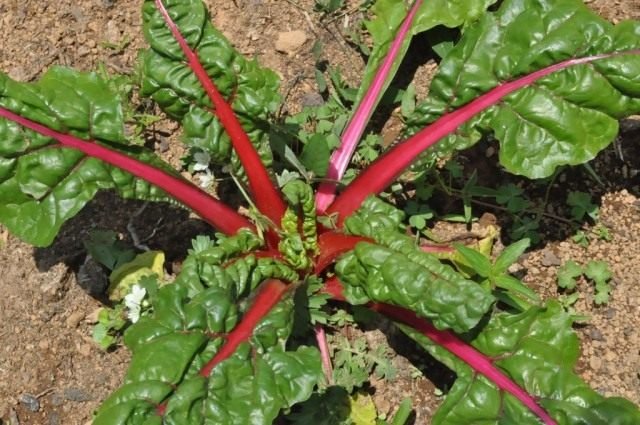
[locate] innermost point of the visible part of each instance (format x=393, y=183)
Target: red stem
x=381, y=173
x=436, y=248
x=210, y=209
x=465, y=352
x=267, y=197
x=332, y=245
x=321, y=339
x=351, y=136
x=268, y=296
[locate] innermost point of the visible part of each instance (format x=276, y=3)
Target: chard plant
x=547, y=79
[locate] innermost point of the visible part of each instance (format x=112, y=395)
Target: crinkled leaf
x=373, y=217
x=400, y=274
x=187, y=327
x=564, y=118
x=389, y=15
x=538, y=350
x=43, y=184
x=251, y=90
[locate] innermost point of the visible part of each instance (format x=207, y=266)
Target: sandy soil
x=50, y=370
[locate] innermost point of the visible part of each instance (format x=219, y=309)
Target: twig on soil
x=546, y=214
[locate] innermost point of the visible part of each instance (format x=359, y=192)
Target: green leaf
x=333, y=407
x=389, y=15
x=515, y=286
x=408, y=104
x=477, y=260
x=363, y=411
x=568, y=273
x=315, y=155
x=564, y=118
x=105, y=248
x=125, y=276
x=42, y=184
x=538, y=350
x=398, y=272
x=599, y=272
x=252, y=90
x=510, y=255
x=187, y=327
x=581, y=205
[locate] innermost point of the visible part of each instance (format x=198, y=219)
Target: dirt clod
x=290, y=41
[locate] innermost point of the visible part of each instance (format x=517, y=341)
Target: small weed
x=328, y=6
x=581, y=206
x=596, y=271
x=355, y=361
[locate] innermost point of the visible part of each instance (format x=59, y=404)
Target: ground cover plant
x=224, y=342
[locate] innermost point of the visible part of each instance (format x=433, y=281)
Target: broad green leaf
x=538, y=350
x=399, y=273
x=389, y=15
x=43, y=184
x=315, y=155
x=251, y=89
x=188, y=325
x=373, y=217
x=564, y=118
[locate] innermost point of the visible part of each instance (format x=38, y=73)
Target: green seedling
x=496, y=275
x=581, y=206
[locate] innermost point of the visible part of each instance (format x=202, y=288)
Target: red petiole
x=265, y=194
x=382, y=172
x=210, y=209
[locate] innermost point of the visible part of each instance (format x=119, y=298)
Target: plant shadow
x=159, y=226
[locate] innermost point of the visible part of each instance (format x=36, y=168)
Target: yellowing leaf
x=483, y=245
x=124, y=277
x=363, y=411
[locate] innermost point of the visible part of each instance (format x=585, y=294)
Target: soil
x=51, y=372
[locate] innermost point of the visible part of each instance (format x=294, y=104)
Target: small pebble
x=596, y=335
x=312, y=99
x=30, y=402
x=74, y=319
x=54, y=419
x=77, y=394
x=550, y=259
